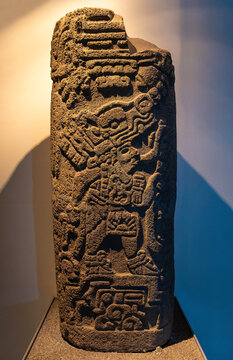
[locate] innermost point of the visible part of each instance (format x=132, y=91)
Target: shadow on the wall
x=27, y=278
x=204, y=222
x=203, y=255
x=204, y=267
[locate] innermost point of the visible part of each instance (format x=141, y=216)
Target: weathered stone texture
x=113, y=147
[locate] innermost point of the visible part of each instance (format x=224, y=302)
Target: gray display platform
x=49, y=345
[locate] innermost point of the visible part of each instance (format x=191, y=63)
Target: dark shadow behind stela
x=26, y=198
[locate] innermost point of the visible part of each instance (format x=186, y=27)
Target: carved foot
x=98, y=263
x=141, y=264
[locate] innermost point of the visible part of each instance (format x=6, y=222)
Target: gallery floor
x=49, y=345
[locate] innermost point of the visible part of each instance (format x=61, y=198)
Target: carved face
x=128, y=157
x=112, y=122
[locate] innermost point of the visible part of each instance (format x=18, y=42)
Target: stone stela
x=113, y=159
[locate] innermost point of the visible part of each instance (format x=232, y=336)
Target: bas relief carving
x=113, y=154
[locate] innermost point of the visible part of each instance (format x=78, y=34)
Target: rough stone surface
x=113, y=139
x=49, y=344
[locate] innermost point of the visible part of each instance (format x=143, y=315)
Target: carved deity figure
x=113, y=148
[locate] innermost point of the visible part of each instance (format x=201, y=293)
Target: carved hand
x=139, y=183
x=154, y=140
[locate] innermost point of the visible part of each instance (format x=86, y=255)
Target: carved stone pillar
x=113, y=144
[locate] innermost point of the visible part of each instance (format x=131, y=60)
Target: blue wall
x=204, y=267
x=204, y=216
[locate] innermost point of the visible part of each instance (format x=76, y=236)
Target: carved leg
x=137, y=260
x=142, y=264
x=130, y=246
x=95, y=260
x=95, y=238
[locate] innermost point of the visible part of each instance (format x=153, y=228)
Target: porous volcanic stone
x=49, y=344
x=113, y=145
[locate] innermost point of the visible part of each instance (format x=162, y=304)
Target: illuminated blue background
x=204, y=217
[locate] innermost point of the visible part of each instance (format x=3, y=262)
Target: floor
x=49, y=345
